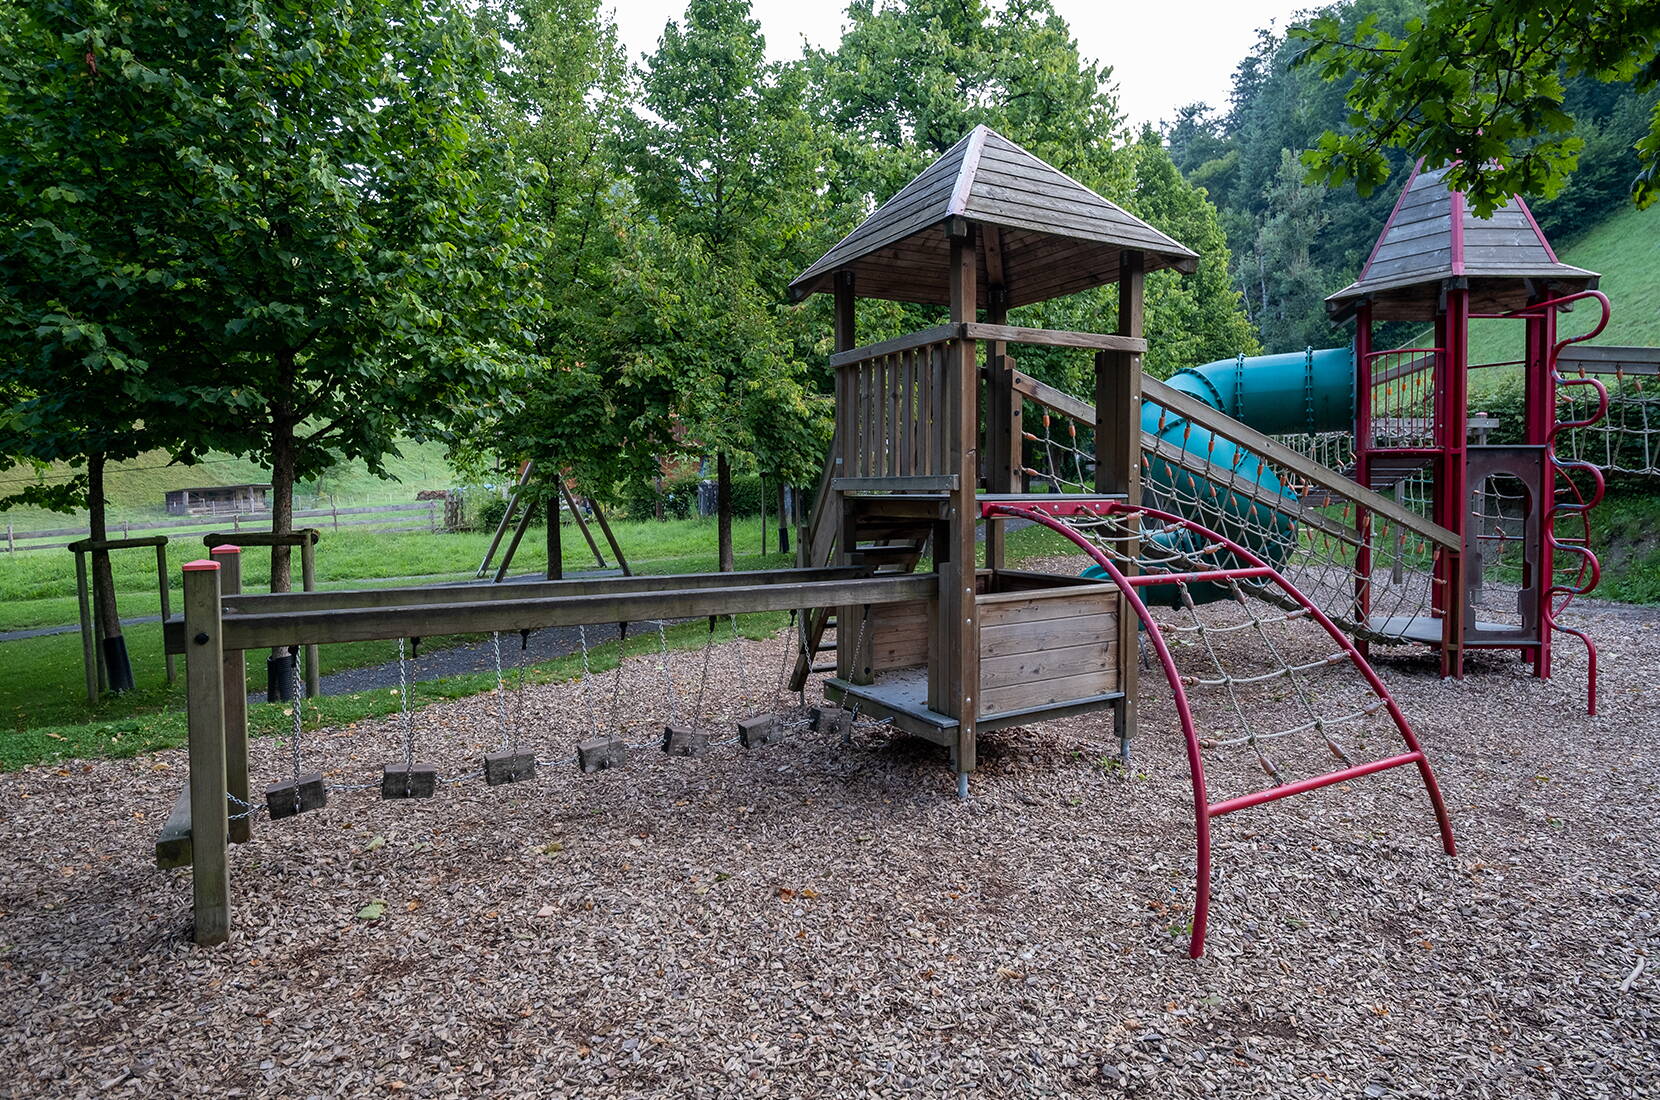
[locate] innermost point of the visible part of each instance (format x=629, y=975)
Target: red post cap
x=199, y=566
x=227, y=548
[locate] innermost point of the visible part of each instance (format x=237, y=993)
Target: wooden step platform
x=902, y=696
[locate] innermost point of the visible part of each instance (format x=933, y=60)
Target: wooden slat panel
x=908, y=428
x=942, y=427
x=1013, y=607
x=1048, y=664
x=1038, y=693
x=1009, y=638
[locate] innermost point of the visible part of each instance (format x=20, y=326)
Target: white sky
x=1163, y=55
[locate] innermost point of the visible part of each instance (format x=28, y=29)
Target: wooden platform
x=1426, y=630
x=902, y=696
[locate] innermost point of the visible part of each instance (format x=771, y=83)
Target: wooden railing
x=891, y=404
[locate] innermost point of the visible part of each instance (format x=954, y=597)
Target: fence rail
x=433, y=510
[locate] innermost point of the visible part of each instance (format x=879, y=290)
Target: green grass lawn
x=44, y=685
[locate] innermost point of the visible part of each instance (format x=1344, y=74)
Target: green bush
x=491, y=507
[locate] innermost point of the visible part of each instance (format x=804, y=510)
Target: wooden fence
x=383, y=517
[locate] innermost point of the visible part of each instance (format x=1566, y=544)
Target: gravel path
x=812, y=919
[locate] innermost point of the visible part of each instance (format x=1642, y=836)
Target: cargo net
x=1371, y=575
x=1627, y=439
x=1271, y=698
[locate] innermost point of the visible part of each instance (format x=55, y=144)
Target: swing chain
x=663, y=663
x=587, y=675
x=408, y=715
x=501, y=690
x=703, y=680
x=297, y=691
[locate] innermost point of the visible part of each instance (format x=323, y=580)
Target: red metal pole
x=1363, y=463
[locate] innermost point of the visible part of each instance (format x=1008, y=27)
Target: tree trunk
x=783, y=518
x=117, y=666
x=282, y=498
x=723, y=509
x=556, y=546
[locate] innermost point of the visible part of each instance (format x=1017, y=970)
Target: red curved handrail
x=1590, y=572
x=1043, y=512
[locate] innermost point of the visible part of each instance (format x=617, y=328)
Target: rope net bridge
x=1273, y=699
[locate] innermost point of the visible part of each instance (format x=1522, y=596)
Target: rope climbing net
x=1372, y=575
x=1626, y=440
x=1267, y=689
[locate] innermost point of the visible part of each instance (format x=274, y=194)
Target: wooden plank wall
x=1040, y=648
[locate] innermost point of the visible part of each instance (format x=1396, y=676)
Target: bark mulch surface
x=819, y=919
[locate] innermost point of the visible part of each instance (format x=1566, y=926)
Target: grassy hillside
x=1626, y=250
x=137, y=489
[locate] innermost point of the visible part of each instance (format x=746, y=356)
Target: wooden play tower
x=926, y=420
x=1438, y=264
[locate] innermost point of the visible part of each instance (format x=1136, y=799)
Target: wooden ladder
x=890, y=536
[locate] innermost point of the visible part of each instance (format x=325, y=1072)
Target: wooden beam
x=1118, y=392
x=173, y=842
x=86, y=546
x=261, y=538
x=1609, y=359
x=582, y=524
x=205, y=692
x=525, y=469
x=442, y=595
x=1055, y=338
x=610, y=539
x=936, y=335
x=254, y=631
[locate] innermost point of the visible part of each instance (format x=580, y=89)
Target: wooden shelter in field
x=929, y=430
x=218, y=500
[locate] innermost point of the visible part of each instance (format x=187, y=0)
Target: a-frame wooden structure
x=929, y=427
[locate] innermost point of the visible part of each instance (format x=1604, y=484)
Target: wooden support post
x=166, y=599
x=235, y=668
x=1118, y=464
x=513, y=546
x=89, y=637
x=555, y=535
x=581, y=524
x=1004, y=443
x=205, y=693
x=506, y=517
x=958, y=690
x=834, y=515
x=308, y=583
x=610, y=539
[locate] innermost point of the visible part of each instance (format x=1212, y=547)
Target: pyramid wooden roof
x=1432, y=236
x=1057, y=236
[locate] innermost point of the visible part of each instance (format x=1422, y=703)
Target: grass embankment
x=1626, y=250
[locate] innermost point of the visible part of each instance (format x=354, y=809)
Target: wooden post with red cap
x=205, y=707
x=235, y=667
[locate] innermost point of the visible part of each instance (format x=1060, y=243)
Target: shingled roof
x=1433, y=236
x=1057, y=236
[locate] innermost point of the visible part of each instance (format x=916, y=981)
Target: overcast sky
x=1163, y=55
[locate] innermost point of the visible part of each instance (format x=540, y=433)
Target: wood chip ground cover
x=814, y=919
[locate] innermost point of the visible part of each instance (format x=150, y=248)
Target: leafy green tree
x=563, y=92
x=725, y=158
x=1289, y=283
x=909, y=78
x=324, y=195
x=1481, y=85
x=104, y=360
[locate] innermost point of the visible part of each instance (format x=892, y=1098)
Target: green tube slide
x=1293, y=392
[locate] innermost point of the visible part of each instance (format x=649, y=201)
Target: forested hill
x=1291, y=243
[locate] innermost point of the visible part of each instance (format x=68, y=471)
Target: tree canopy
x=1482, y=85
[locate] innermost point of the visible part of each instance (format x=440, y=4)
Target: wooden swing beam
x=218, y=626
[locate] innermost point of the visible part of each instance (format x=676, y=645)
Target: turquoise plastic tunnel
x=1288, y=393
